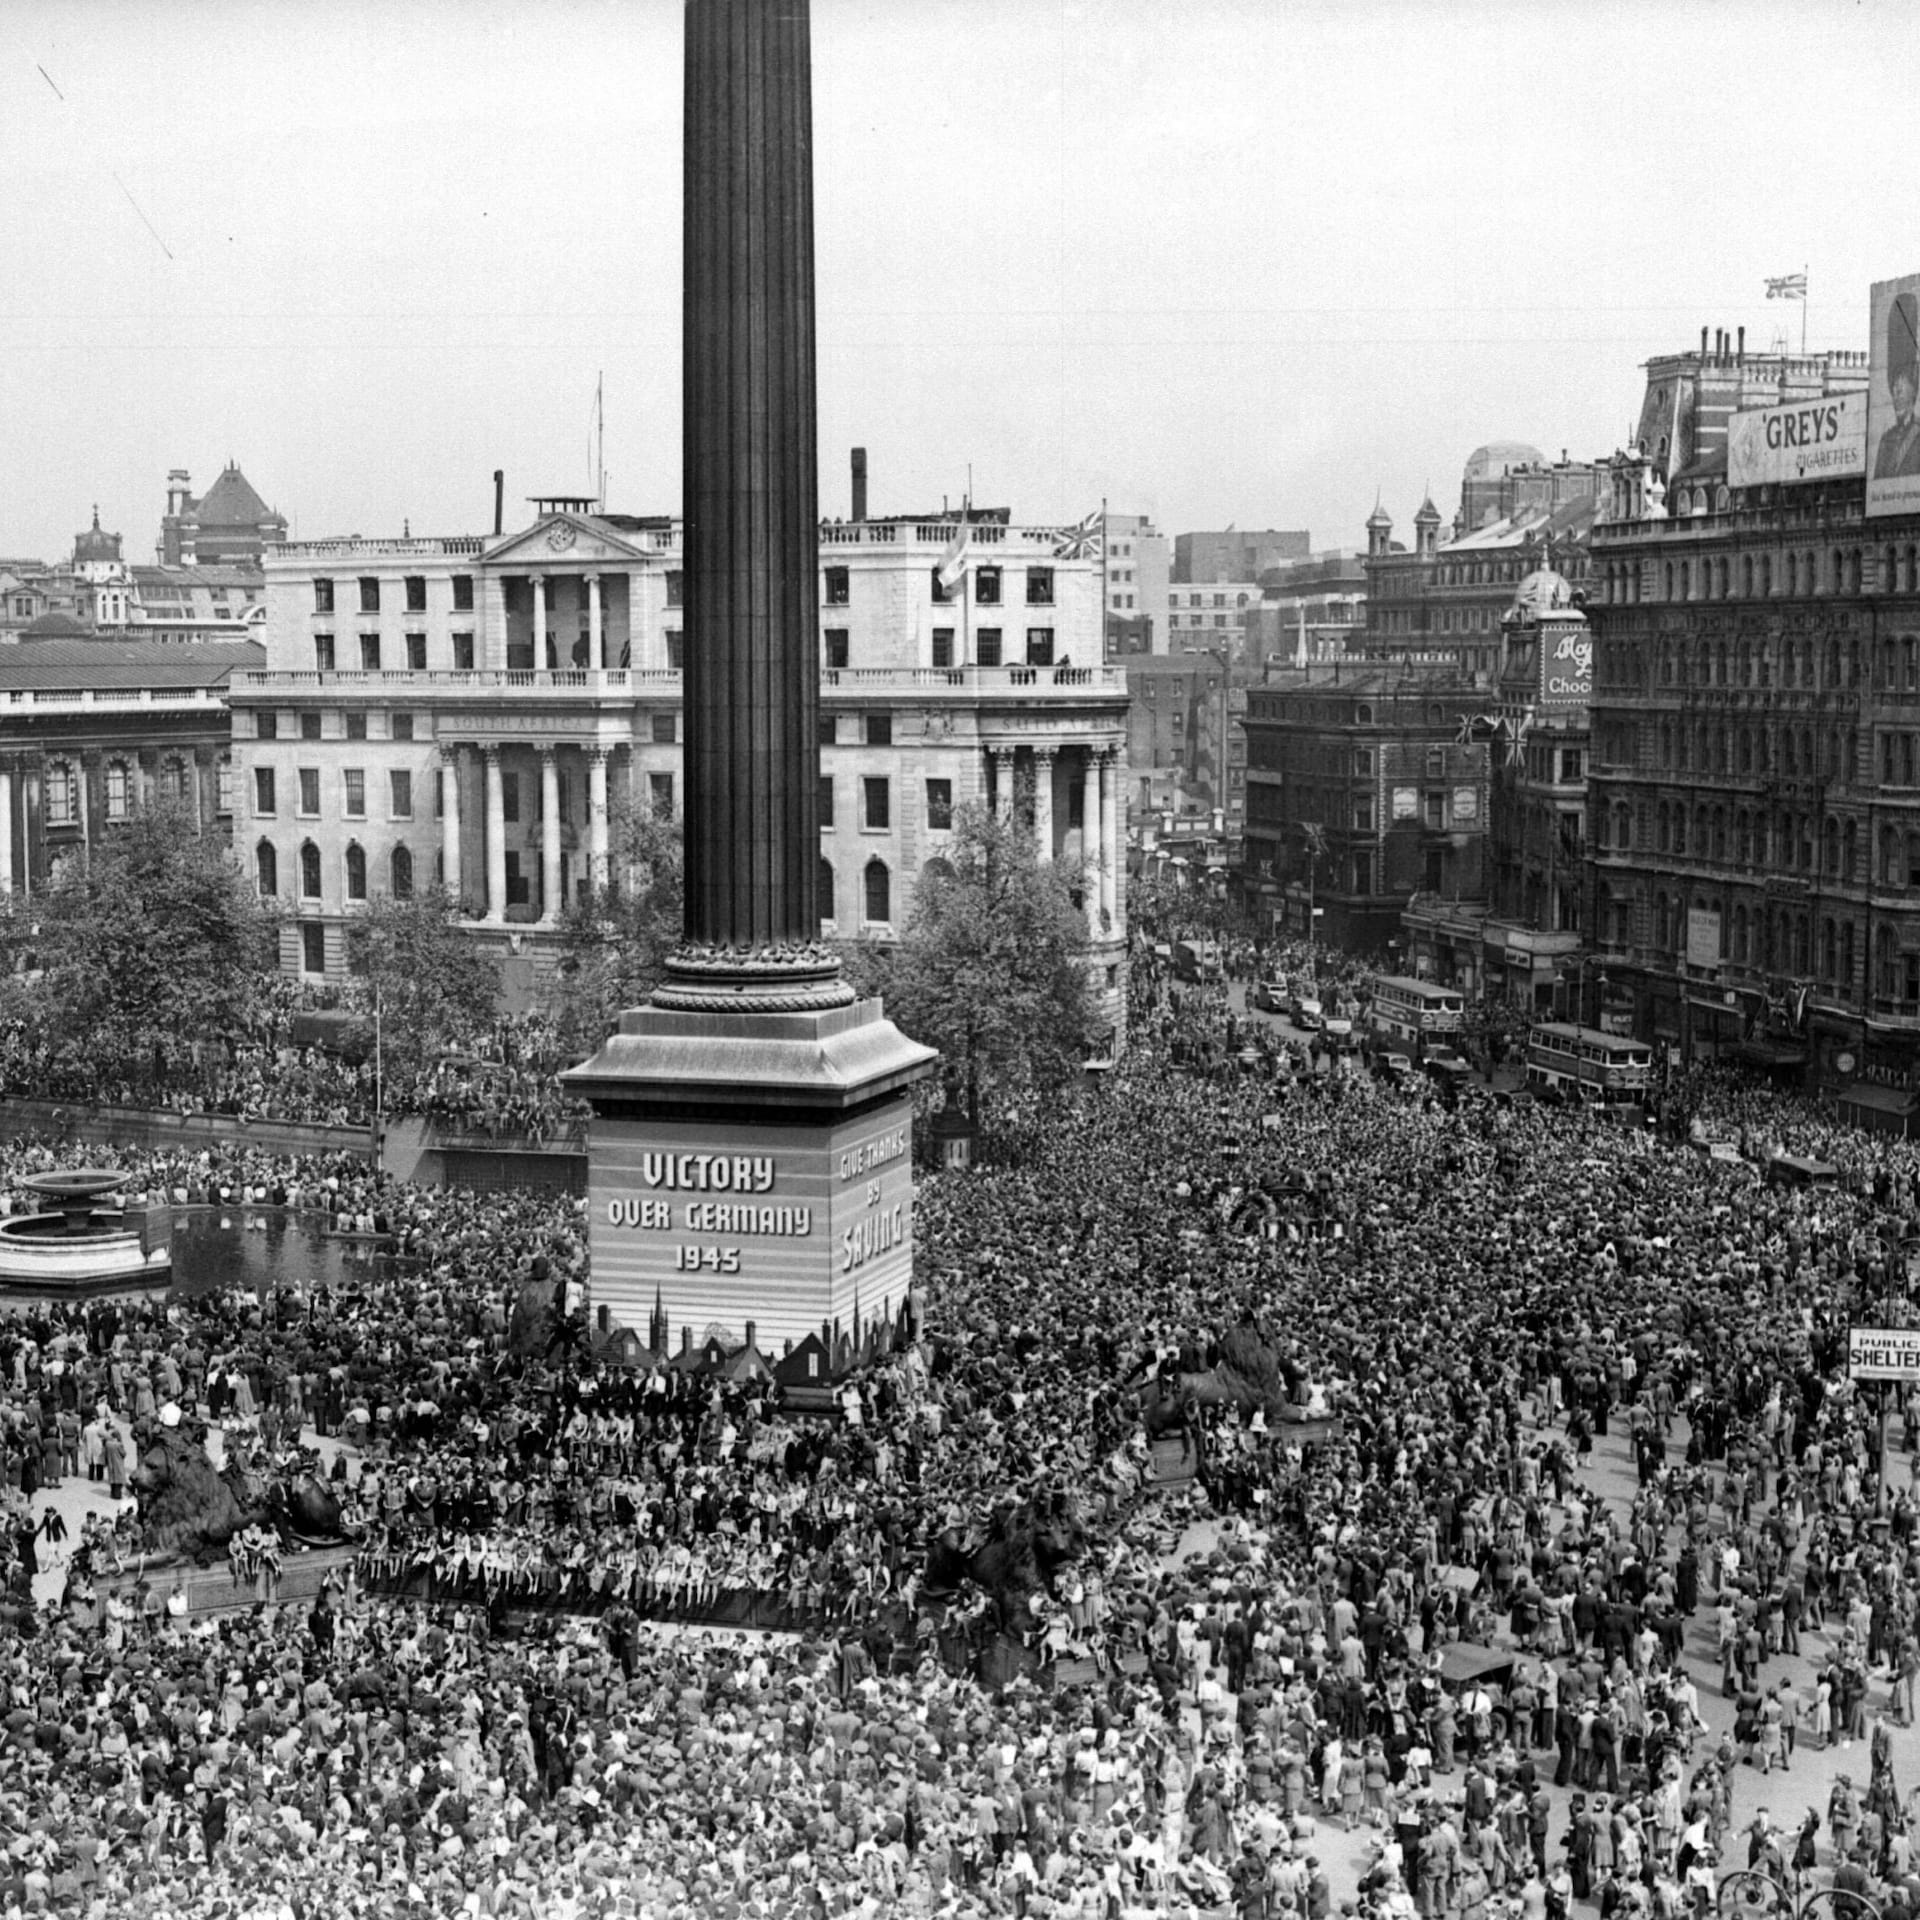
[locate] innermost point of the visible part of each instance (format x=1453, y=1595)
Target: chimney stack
x=859, y=485
x=1740, y=351
x=1703, y=343
x=499, y=499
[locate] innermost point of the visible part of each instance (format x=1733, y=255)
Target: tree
x=614, y=944
x=420, y=974
x=991, y=965
x=151, y=941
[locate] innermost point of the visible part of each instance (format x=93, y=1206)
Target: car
x=1393, y=1067
x=1270, y=996
x=1447, y=1066
x=1304, y=1012
x=1337, y=1028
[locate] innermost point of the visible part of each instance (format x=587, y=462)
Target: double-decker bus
x=1415, y=1012
x=1602, y=1069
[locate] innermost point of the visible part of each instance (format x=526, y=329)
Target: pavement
x=1810, y=1775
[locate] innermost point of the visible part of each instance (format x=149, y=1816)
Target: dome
x=56, y=626
x=1542, y=591
x=1488, y=462
x=94, y=545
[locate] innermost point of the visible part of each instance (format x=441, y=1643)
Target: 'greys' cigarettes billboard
x=1801, y=441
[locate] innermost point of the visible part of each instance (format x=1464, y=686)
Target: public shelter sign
x=1883, y=1353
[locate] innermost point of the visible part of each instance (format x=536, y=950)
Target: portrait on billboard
x=1893, y=387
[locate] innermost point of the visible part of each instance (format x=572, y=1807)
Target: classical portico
x=524, y=826
x=1041, y=782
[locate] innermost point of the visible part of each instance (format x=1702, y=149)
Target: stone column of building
x=751, y=490
x=597, y=817
x=596, y=624
x=83, y=788
x=6, y=826
x=550, y=900
x=202, y=771
x=450, y=822
x=1110, y=853
x=1043, y=801
x=1092, y=849
x=496, y=836
x=1002, y=761
x=540, y=618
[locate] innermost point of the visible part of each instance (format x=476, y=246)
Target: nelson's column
x=751, y=1159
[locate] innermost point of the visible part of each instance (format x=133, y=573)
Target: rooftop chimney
x=859, y=485
x=1740, y=351
x=499, y=499
x=1703, y=343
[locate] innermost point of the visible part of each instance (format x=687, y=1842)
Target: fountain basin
x=83, y=1250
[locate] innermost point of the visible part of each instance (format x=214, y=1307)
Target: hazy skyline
x=1223, y=262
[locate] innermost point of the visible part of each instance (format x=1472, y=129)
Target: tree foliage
x=615, y=942
x=152, y=940
x=991, y=964
x=413, y=964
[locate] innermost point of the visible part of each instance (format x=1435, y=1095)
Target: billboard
x=1883, y=1353
x=1893, y=385
x=1803, y=440
x=1566, y=664
x=1703, y=938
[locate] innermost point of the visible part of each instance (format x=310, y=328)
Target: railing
x=114, y=696
x=350, y=546
x=974, y=680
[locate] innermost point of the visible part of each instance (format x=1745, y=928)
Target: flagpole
x=1806, y=294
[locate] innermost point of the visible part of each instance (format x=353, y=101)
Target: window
x=223, y=784
x=356, y=871
x=400, y=794
x=463, y=653
x=313, y=949
x=263, y=790
x=370, y=653
x=463, y=593
x=310, y=790
x=402, y=869
x=1363, y=813
x=323, y=652
x=879, y=892
x=416, y=593
x=826, y=729
x=940, y=805
x=877, y=807
x=369, y=595
x=266, y=725
x=879, y=729
x=400, y=726
x=356, y=726
x=323, y=596
x=660, y=792
x=266, y=870
x=176, y=781
x=417, y=652
x=119, y=790
x=1039, y=646
x=943, y=646
x=309, y=726
x=839, y=587
x=677, y=590
x=510, y=796
x=309, y=870
x=519, y=881
x=825, y=790
x=987, y=642
x=676, y=646
x=1436, y=811
x=986, y=587
x=828, y=902
x=1039, y=586
x=664, y=729
x=1363, y=762
x=835, y=639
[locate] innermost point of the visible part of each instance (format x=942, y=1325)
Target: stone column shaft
x=596, y=624
x=750, y=489
x=496, y=837
x=597, y=817
x=6, y=827
x=1109, y=839
x=550, y=900
x=1043, y=801
x=540, y=618
x=1091, y=849
x=450, y=823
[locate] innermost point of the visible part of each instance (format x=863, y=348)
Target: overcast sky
x=1224, y=261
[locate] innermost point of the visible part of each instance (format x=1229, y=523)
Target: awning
x=1877, y=1099
x=1759, y=1052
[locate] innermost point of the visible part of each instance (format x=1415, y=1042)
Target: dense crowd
x=1170, y=1695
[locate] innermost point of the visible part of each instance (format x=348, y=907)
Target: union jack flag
x=1087, y=541
x=1789, y=286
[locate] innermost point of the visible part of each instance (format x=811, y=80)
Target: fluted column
x=1109, y=838
x=550, y=901
x=750, y=487
x=1043, y=801
x=540, y=618
x=496, y=837
x=450, y=823
x=6, y=826
x=597, y=817
x=596, y=624
x=1002, y=758
x=1091, y=848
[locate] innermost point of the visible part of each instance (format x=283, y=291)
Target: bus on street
x=1580, y=1063
x=1415, y=1012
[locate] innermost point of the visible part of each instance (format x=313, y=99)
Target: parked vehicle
x=1270, y=996
x=1197, y=960
x=1305, y=1012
